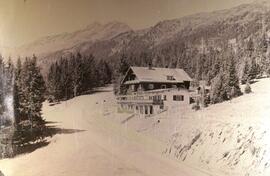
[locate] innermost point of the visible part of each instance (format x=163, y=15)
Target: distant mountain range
x=66, y=41
x=106, y=41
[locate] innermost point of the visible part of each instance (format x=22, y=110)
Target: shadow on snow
x=17, y=142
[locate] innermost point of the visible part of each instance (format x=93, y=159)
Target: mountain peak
x=112, y=24
x=93, y=25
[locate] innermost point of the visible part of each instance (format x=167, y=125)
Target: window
x=163, y=86
x=178, y=98
x=157, y=97
x=146, y=109
x=151, y=86
x=151, y=109
x=170, y=78
x=174, y=86
x=164, y=97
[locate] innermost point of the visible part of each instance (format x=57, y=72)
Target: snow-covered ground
x=103, y=148
x=231, y=138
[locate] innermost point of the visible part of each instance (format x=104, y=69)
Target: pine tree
x=123, y=65
x=89, y=78
x=253, y=72
x=216, y=94
x=245, y=74
x=18, y=93
x=32, y=92
x=233, y=80
x=108, y=73
x=250, y=47
x=51, y=83
x=65, y=79
x=76, y=74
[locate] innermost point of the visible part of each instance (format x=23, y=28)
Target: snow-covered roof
x=158, y=75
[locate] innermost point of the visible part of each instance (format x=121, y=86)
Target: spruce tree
x=32, y=92
x=18, y=93
x=123, y=65
x=253, y=71
x=233, y=80
x=217, y=89
x=76, y=74
x=245, y=74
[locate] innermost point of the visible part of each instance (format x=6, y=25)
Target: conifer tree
x=253, y=71
x=245, y=75
x=250, y=47
x=32, y=92
x=217, y=89
x=123, y=65
x=233, y=80
x=18, y=93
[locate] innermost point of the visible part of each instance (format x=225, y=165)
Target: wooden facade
x=149, y=91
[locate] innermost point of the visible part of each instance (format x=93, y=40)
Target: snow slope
x=103, y=149
x=230, y=138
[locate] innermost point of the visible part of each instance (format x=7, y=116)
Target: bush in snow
x=248, y=88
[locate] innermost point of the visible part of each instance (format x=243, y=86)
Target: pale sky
x=22, y=22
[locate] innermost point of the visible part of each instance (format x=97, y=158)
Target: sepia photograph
x=134, y=87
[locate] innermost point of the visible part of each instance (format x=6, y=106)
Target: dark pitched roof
x=154, y=74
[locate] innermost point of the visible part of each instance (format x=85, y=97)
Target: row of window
x=175, y=97
x=157, y=98
x=151, y=86
x=178, y=98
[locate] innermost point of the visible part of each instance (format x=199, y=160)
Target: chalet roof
x=160, y=75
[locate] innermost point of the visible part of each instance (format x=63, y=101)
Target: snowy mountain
x=241, y=21
x=110, y=41
x=92, y=33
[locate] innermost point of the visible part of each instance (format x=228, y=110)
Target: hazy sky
x=22, y=21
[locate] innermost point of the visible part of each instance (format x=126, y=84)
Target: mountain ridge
x=53, y=43
x=111, y=40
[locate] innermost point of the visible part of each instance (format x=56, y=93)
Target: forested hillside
x=204, y=45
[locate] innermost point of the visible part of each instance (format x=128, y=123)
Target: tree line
x=23, y=88
x=76, y=75
x=223, y=67
x=22, y=93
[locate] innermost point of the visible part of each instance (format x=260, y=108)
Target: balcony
x=154, y=97
x=139, y=99
x=134, y=99
x=158, y=102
